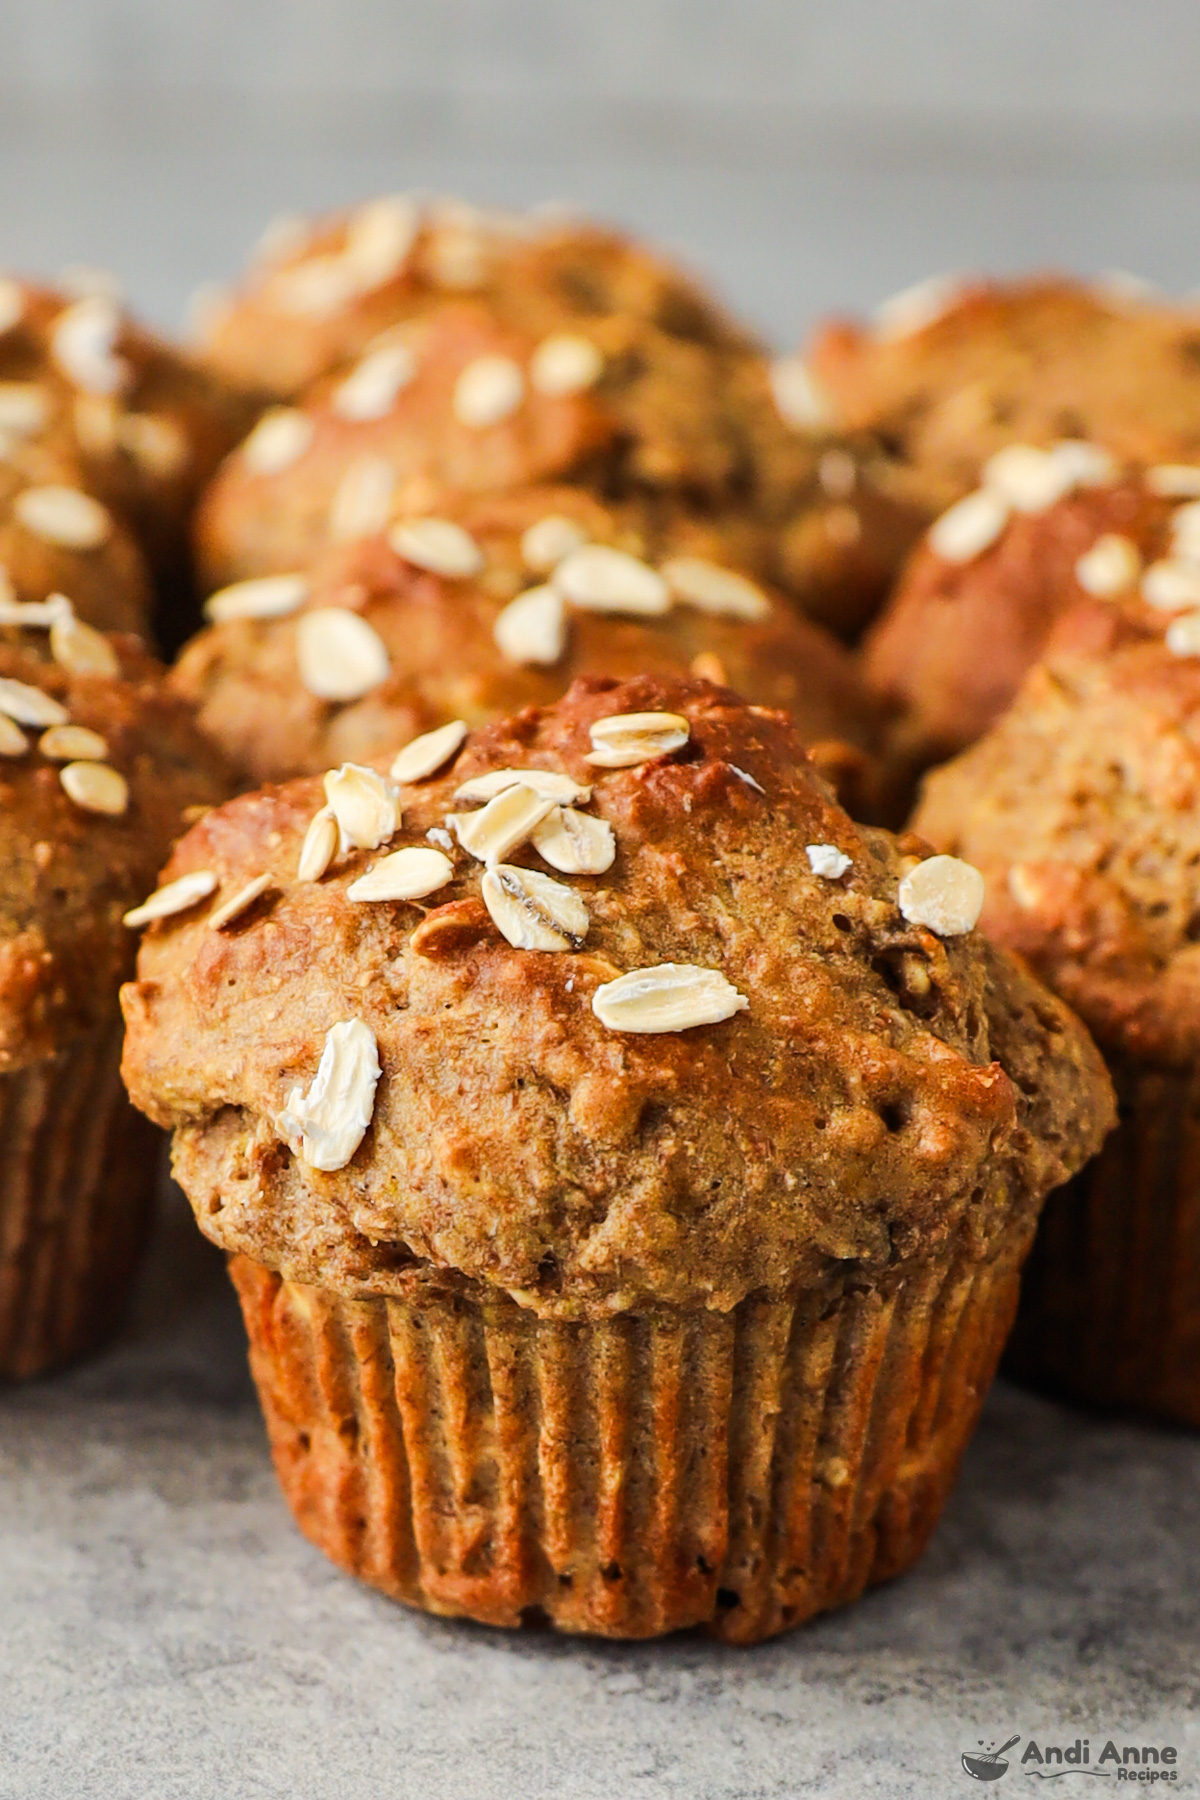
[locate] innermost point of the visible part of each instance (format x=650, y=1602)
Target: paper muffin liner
x=76, y=1185
x=737, y=1471
x=1110, y=1302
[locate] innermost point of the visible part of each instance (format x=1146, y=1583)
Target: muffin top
x=454, y=410
x=1045, y=531
x=1081, y=807
x=955, y=369
x=144, y=425
x=100, y=763
x=578, y=307
x=499, y=605
x=318, y=291
x=657, y=1022
x=669, y=397
x=57, y=538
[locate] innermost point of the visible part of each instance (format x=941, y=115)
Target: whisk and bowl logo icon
x=988, y=1764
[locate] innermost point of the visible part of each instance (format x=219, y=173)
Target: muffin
x=1080, y=808
x=100, y=763
x=589, y=310
x=464, y=418
x=649, y=390
x=145, y=426
x=628, y=1247
x=835, y=538
x=57, y=538
x=318, y=291
x=1047, y=532
x=498, y=606
x=953, y=370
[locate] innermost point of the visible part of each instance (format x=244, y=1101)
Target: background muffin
x=456, y=413
x=145, y=427
x=319, y=290
x=57, y=538
x=1048, y=531
x=641, y=1254
x=1080, y=807
x=597, y=311
x=671, y=399
x=499, y=606
x=955, y=369
x=100, y=763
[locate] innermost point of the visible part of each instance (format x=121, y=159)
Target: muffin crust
x=873, y=1096
x=985, y=363
x=444, y=661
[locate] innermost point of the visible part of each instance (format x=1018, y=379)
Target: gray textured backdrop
x=806, y=153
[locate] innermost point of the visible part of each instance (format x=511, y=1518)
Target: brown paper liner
x=630, y=1477
x=1110, y=1302
x=76, y=1185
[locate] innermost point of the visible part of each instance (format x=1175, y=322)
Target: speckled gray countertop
x=165, y=1634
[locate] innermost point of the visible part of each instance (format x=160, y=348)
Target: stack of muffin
x=627, y=1148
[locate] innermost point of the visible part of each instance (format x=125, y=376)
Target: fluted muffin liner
x=76, y=1187
x=1110, y=1302
x=628, y=1477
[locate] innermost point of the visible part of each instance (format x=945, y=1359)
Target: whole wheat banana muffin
x=145, y=426
x=100, y=764
x=627, y=1161
x=318, y=291
x=464, y=418
x=954, y=369
x=1047, y=531
x=57, y=538
x=430, y=348
x=500, y=604
x=1080, y=808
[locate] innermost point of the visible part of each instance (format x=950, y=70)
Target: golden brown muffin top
x=497, y=605
x=447, y=406
x=954, y=370
x=98, y=770
x=561, y=1123
x=145, y=425
x=1081, y=807
x=981, y=596
x=319, y=290
x=598, y=312
x=681, y=401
